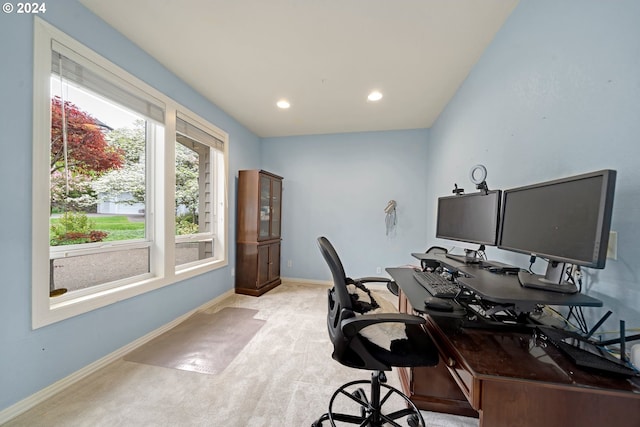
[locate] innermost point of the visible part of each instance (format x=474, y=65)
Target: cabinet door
x=264, y=269
x=274, y=261
x=276, y=204
x=268, y=263
x=264, y=221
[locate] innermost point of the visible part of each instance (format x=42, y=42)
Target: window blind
x=66, y=63
x=191, y=131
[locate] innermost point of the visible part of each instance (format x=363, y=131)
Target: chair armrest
x=353, y=325
x=372, y=280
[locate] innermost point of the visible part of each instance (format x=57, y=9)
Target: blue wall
x=557, y=93
x=31, y=360
x=338, y=186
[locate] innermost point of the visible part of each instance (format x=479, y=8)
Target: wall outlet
x=612, y=249
x=233, y=272
x=289, y=263
x=378, y=270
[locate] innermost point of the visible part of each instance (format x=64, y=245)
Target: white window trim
x=46, y=310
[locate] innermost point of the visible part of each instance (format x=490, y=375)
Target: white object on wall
x=390, y=217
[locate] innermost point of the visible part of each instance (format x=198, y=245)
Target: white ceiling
x=324, y=56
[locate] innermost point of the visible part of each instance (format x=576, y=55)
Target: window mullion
x=164, y=183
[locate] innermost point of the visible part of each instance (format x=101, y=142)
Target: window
x=198, y=156
x=131, y=186
x=100, y=137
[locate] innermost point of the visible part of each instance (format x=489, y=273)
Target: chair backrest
x=436, y=250
x=337, y=271
x=426, y=263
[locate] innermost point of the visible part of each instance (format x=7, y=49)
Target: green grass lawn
x=118, y=227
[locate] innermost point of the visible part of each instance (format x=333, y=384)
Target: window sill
x=64, y=307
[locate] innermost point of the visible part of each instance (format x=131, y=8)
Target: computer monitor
x=565, y=221
x=471, y=218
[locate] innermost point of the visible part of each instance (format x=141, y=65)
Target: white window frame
x=46, y=310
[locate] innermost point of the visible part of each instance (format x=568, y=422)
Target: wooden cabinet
x=258, y=232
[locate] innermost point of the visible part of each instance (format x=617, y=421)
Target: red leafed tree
x=88, y=152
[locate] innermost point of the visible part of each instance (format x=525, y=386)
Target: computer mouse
x=438, y=304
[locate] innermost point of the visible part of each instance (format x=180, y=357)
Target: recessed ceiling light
x=374, y=96
x=283, y=103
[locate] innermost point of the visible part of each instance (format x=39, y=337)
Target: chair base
x=351, y=405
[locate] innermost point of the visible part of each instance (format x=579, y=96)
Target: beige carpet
x=204, y=343
x=283, y=377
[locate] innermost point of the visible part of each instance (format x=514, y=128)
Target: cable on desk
x=481, y=254
x=572, y=273
x=574, y=311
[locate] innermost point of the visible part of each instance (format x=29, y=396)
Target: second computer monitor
x=565, y=220
x=472, y=218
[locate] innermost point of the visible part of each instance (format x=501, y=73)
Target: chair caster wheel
x=413, y=421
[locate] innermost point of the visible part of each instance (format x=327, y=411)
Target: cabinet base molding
x=259, y=291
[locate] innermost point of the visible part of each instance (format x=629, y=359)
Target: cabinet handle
x=451, y=362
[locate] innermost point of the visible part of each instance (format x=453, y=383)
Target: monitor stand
x=551, y=281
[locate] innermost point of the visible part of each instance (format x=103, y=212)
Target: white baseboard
x=326, y=283
x=298, y=281
x=41, y=395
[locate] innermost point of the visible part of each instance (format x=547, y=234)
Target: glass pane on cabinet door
x=265, y=209
x=276, y=187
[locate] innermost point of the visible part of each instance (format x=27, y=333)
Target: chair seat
x=416, y=350
x=392, y=343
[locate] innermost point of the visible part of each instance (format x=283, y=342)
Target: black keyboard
x=436, y=285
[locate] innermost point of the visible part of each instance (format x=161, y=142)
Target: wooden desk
x=510, y=378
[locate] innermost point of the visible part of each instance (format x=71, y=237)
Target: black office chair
x=431, y=264
x=350, y=311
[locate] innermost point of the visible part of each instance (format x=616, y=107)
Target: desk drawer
x=460, y=373
x=465, y=381
x=434, y=388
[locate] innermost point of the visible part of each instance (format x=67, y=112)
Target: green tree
x=130, y=178
x=187, y=187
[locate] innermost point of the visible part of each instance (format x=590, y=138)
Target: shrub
x=185, y=225
x=74, y=228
